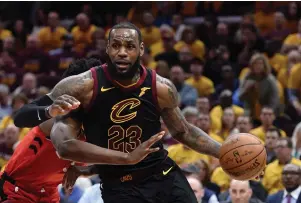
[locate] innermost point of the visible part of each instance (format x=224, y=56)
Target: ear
x=141, y=49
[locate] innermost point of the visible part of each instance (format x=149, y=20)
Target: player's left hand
x=69, y=179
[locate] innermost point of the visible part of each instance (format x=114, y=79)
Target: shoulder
x=296, y=161
x=74, y=29
x=208, y=81
x=273, y=197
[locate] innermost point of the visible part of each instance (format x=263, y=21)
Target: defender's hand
x=144, y=149
x=70, y=178
x=63, y=105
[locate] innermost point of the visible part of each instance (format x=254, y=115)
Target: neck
x=266, y=127
x=283, y=162
x=197, y=76
x=130, y=81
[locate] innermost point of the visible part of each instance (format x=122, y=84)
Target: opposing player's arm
x=64, y=137
x=43, y=109
x=177, y=125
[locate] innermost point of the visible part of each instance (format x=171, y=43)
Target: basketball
x=243, y=156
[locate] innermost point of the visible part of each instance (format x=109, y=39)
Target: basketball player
x=121, y=105
x=34, y=171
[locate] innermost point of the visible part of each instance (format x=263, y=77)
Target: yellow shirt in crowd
x=82, y=38
x=272, y=177
x=5, y=34
x=151, y=35
x=7, y=120
x=203, y=85
x=278, y=62
x=216, y=115
x=182, y=155
x=157, y=48
x=197, y=48
x=220, y=178
x=294, y=79
x=293, y=39
x=51, y=40
x=260, y=133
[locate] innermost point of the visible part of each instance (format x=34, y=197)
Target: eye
x=115, y=46
x=130, y=46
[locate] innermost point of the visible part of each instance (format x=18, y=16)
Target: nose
x=122, y=52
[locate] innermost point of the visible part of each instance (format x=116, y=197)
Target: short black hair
x=127, y=25
x=80, y=66
x=273, y=129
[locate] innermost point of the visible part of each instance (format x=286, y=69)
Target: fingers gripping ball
x=243, y=156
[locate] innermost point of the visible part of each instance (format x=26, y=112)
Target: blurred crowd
x=235, y=72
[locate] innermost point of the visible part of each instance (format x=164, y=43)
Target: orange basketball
x=243, y=156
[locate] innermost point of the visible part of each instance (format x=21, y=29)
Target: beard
x=129, y=74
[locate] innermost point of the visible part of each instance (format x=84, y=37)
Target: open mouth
x=122, y=64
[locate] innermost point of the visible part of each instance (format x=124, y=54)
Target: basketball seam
x=238, y=147
x=247, y=161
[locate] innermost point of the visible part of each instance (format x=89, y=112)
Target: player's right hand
x=63, y=105
x=144, y=149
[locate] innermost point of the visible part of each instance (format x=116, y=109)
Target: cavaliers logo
x=117, y=109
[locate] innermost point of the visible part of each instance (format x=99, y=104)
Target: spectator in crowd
x=32, y=58
x=162, y=69
x=204, y=173
x=20, y=33
x=267, y=118
x=5, y=107
x=259, y=87
x=178, y=26
x=17, y=102
x=147, y=60
x=296, y=140
x=189, y=39
x=241, y=192
x=228, y=82
x=293, y=60
x=188, y=94
x=280, y=31
x=50, y=37
x=292, y=41
x=272, y=176
x=293, y=86
x=225, y=101
x=203, y=105
x=244, y=124
x=204, y=123
x=9, y=143
x=201, y=83
x=272, y=135
x=291, y=179
x=4, y=33
x=82, y=32
x=28, y=87
x=228, y=123
x=150, y=33
x=199, y=191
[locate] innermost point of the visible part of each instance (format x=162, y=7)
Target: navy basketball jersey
x=122, y=117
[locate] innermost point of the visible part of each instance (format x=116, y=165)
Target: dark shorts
x=170, y=188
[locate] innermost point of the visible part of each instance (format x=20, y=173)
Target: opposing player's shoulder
x=76, y=86
x=166, y=92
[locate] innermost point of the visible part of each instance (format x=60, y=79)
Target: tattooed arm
x=79, y=86
x=177, y=125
